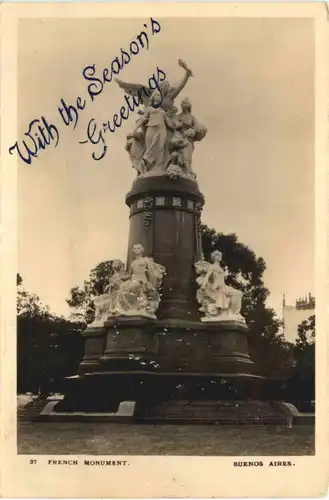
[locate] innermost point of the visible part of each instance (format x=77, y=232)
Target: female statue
x=218, y=300
x=135, y=144
x=138, y=294
x=191, y=130
x=105, y=303
x=154, y=119
x=114, y=283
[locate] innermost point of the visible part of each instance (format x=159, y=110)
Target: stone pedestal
x=132, y=344
x=228, y=341
x=156, y=360
x=95, y=343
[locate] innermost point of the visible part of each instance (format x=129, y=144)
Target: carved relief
x=148, y=203
x=176, y=202
x=160, y=201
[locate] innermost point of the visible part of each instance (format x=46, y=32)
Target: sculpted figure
x=169, y=93
x=175, y=168
x=138, y=294
x=218, y=301
x=102, y=307
x=190, y=130
x=154, y=119
x=105, y=304
x=135, y=144
x=114, y=284
x=161, y=132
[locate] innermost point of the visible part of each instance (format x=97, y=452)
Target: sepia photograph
x=166, y=221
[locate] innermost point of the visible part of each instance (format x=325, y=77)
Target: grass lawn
x=126, y=439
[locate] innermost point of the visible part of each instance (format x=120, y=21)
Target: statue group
x=134, y=292
x=162, y=141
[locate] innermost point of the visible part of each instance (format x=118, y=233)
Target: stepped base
x=212, y=412
x=31, y=411
x=221, y=412
x=124, y=414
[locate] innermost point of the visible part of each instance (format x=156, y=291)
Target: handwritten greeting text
x=41, y=134
x=96, y=133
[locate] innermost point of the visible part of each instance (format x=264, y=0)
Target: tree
x=81, y=299
x=302, y=381
x=49, y=347
x=305, y=348
x=306, y=333
x=29, y=304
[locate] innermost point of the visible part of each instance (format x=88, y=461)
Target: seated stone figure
x=218, y=301
x=114, y=285
x=105, y=304
x=138, y=293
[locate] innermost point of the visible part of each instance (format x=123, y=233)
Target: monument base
x=141, y=344
x=127, y=360
x=171, y=398
x=104, y=391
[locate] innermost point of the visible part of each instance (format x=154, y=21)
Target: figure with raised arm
x=169, y=93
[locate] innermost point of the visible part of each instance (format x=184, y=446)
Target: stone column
x=165, y=219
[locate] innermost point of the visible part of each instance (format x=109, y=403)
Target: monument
x=168, y=332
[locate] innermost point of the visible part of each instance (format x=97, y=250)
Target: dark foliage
x=49, y=347
x=81, y=299
x=303, y=379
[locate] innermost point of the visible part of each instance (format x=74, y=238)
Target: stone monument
x=168, y=328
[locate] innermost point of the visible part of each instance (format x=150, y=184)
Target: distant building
x=294, y=315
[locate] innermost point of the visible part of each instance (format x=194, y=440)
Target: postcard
x=164, y=265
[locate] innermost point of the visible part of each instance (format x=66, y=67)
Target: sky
x=252, y=87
